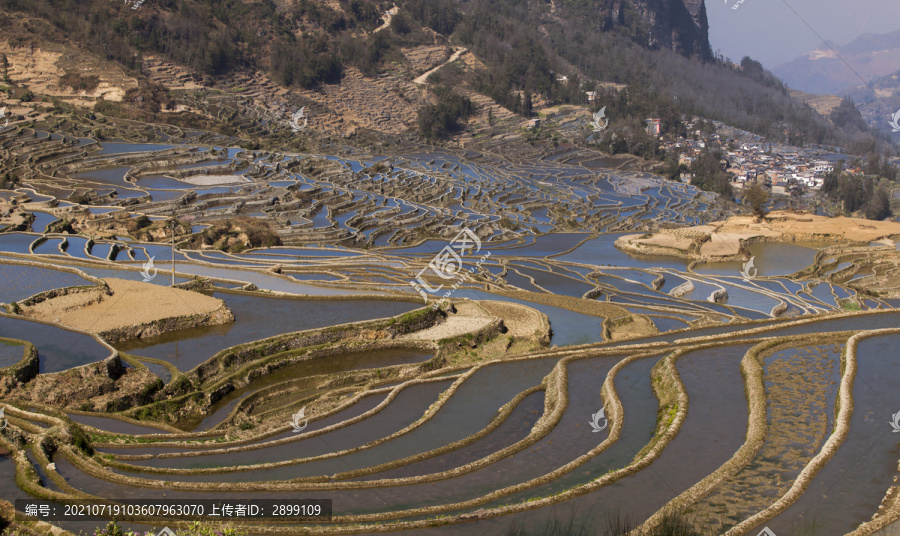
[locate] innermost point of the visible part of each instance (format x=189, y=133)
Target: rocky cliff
x=680, y=25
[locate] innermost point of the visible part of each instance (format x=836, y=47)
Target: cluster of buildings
x=782, y=168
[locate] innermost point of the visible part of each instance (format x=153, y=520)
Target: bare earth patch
x=468, y=318
x=132, y=303
x=521, y=321
x=724, y=238
x=214, y=180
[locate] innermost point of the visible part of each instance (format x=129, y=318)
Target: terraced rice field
x=563, y=379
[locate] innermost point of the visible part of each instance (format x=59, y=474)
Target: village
x=782, y=169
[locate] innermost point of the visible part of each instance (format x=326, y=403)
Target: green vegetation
x=709, y=174
x=446, y=116
x=756, y=197
x=869, y=193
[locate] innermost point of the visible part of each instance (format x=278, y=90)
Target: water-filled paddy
x=304, y=369
x=18, y=282
x=850, y=487
x=16, y=242
x=10, y=353
x=58, y=349
x=601, y=251
x=409, y=405
x=261, y=280
x=258, y=317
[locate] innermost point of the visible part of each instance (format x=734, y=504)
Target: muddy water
x=714, y=430
x=409, y=405
x=804, y=377
x=601, y=251
x=363, y=405
x=569, y=439
x=58, y=349
x=770, y=259
x=557, y=284
x=515, y=428
x=640, y=407
x=546, y=245
x=471, y=408
x=258, y=317
x=262, y=281
x=305, y=369
x=848, y=490
x=8, y=489
x=10, y=354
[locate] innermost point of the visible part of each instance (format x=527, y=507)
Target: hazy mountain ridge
x=825, y=71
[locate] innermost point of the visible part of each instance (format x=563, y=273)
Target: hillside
x=367, y=70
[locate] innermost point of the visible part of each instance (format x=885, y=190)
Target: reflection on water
x=258, y=317
x=18, y=282
x=58, y=349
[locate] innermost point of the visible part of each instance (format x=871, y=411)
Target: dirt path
x=388, y=17
x=422, y=79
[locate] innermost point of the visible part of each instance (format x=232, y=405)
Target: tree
x=756, y=197
x=446, y=116
x=879, y=207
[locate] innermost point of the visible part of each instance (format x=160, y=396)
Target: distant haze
x=769, y=31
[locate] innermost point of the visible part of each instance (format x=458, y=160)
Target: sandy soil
x=214, y=180
x=723, y=238
x=132, y=302
x=11, y=214
x=521, y=321
x=468, y=318
x=40, y=70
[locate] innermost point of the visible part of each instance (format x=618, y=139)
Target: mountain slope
x=243, y=67
x=825, y=71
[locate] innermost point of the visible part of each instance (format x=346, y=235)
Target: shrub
x=446, y=116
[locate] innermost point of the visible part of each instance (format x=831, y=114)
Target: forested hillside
x=529, y=53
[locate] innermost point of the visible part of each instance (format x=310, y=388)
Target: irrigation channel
x=563, y=380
